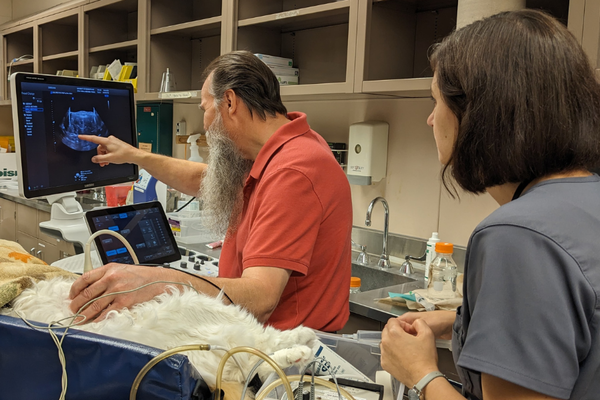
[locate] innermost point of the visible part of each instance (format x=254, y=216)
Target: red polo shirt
x=298, y=216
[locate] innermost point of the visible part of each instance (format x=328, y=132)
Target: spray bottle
x=194, y=154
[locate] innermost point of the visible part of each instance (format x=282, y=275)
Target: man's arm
x=258, y=290
x=183, y=175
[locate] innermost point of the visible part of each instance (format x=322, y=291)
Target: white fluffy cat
x=179, y=318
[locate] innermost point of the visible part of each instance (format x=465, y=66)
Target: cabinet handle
x=39, y=254
x=32, y=251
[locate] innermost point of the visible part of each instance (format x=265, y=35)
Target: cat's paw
x=297, y=355
x=302, y=336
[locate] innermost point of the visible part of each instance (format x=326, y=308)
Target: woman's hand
x=440, y=322
x=408, y=351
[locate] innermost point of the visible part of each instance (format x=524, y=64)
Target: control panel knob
x=197, y=266
x=183, y=264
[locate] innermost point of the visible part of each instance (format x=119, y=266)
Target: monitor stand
x=67, y=220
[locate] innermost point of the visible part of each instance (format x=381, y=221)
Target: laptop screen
x=145, y=227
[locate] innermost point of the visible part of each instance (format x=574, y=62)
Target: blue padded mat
x=98, y=367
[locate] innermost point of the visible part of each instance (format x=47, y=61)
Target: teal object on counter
x=408, y=296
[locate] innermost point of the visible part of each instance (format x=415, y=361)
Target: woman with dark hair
x=517, y=115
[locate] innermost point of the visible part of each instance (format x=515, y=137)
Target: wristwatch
x=416, y=392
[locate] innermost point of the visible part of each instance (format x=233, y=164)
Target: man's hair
x=250, y=78
x=526, y=99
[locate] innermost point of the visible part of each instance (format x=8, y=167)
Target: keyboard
x=195, y=263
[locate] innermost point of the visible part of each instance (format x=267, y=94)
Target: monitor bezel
x=15, y=82
x=100, y=212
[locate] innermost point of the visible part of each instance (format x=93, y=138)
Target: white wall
x=418, y=204
x=5, y=11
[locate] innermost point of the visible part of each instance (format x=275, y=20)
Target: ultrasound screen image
x=82, y=122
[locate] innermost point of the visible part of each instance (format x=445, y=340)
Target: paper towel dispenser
x=367, y=152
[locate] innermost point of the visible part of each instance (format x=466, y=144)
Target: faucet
x=406, y=267
x=363, y=257
x=384, y=260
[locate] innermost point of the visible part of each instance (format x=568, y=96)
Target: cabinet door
x=28, y=242
x=47, y=251
x=27, y=220
x=8, y=223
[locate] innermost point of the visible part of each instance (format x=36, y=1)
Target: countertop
x=42, y=204
x=365, y=303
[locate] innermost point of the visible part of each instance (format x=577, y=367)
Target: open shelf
x=316, y=38
x=52, y=64
x=59, y=36
x=185, y=54
x=399, y=34
x=114, y=23
x=18, y=44
x=166, y=13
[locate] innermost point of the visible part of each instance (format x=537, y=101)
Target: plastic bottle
x=430, y=255
x=194, y=154
x=443, y=273
x=354, y=285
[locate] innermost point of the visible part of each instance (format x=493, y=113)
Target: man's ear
x=231, y=102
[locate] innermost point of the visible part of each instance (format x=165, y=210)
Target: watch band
x=419, y=386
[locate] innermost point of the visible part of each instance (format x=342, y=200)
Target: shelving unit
x=343, y=48
x=185, y=36
x=16, y=44
x=59, y=43
x=111, y=32
x=317, y=35
x=394, y=37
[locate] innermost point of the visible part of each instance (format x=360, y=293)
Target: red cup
x=116, y=195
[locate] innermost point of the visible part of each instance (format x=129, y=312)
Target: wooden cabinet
x=28, y=235
x=341, y=47
x=8, y=220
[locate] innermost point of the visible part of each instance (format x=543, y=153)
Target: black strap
x=520, y=188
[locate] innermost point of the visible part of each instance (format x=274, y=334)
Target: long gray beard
x=221, y=190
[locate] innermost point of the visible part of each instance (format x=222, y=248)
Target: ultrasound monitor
x=49, y=112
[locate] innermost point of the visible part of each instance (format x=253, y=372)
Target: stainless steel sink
x=373, y=277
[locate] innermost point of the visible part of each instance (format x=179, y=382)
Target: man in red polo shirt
x=273, y=185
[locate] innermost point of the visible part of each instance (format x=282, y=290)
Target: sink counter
x=364, y=303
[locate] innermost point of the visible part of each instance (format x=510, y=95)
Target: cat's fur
x=179, y=318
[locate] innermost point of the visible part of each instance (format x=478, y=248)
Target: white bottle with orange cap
x=443, y=273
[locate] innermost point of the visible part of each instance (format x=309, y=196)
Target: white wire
x=14, y=60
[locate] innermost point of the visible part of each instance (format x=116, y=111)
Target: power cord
x=185, y=205
x=221, y=290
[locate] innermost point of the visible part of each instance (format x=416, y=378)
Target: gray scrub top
x=531, y=310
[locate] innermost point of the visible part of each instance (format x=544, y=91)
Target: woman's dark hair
x=526, y=99
x=250, y=78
